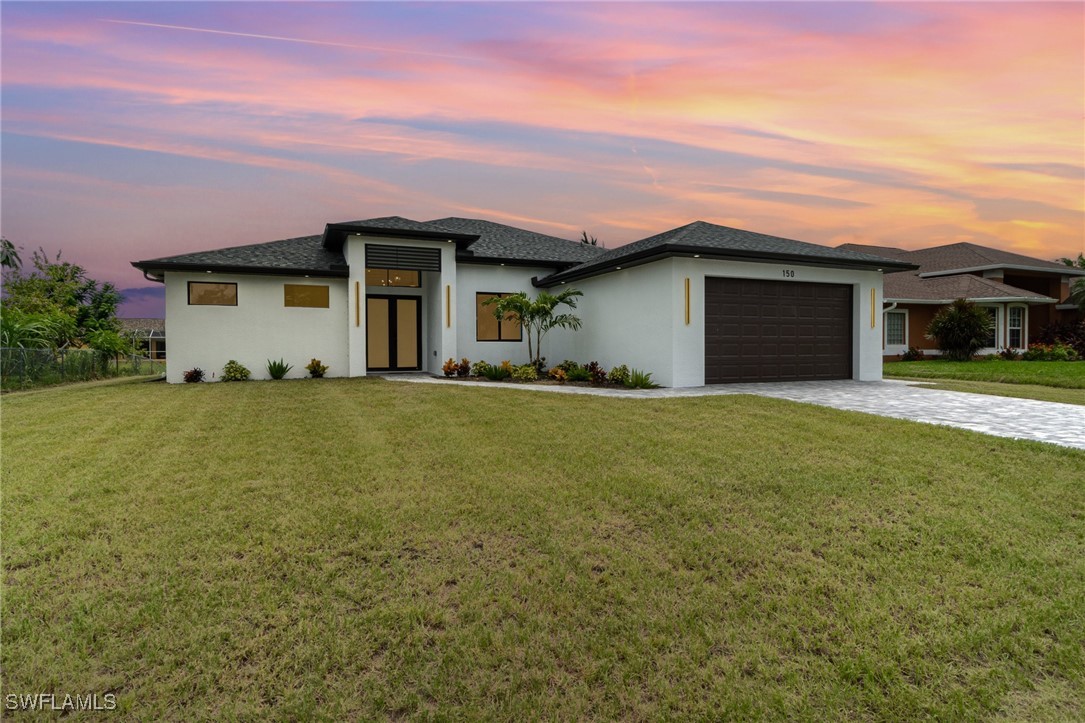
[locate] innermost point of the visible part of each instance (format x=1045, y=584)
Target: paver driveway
x=1062, y=424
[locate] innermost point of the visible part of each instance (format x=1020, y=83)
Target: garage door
x=769, y=331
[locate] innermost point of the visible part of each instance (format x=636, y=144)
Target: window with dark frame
x=488, y=327
x=212, y=293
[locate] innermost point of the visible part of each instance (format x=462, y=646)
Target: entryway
x=393, y=333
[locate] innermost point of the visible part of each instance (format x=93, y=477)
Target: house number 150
x=789, y=274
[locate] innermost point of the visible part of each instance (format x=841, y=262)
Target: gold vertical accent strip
x=357, y=304
x=873, y=298
x=687, y=301
x=448, y=306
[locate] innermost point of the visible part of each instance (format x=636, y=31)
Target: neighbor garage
x=770, y=331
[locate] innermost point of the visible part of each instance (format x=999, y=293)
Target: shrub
x=450, y=367
x=913, y=354
x=499, y=372
x=1070, y=333
x=525, y=373
x=478, y=369
x=193, y=375
x=540, y=366
x=960, y=330
x=640, y=380
x=567, y=366
x=1009, y=354
x=578, y=374
x=463, y=368
x=278, y=369
x=558, y=375
x=235, y=372
x=316, y=369
x=597, y=372
x=1050, y=352
x=618, y=375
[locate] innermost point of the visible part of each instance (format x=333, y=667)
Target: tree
x=536, y=316
x=1079, y=262
x=588, y=240
x=57, y=289
x=961, y=329
x=9, y=257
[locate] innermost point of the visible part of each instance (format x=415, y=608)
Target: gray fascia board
x=670, y=250
x=156, y=267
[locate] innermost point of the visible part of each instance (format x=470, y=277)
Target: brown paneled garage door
x=769, y=331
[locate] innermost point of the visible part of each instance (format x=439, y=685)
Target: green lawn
x=1066, y=375
x=358, y=549
x=1020, y=391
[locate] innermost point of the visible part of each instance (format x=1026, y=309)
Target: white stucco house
x=699, y=304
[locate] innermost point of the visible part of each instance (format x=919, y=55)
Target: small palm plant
x=537, y=316
x=961, y=329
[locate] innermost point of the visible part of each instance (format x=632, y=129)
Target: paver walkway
x=1062, y=424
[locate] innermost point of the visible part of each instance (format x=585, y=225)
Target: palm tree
x=536, y=316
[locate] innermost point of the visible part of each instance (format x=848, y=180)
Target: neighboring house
x=694, y=305
x=149, y=335
x=1022, y=294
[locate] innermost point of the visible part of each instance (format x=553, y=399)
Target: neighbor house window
x=393, y=277
x=203, y=293
x=488, y=327
x=895, y=322
x=991, y=342
x=1016, y=328
x=313, y=297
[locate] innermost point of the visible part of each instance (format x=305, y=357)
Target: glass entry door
x=393, y=333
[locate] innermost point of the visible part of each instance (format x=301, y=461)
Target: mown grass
x=354, y=549
x=1067, y=375
x=1019, y=391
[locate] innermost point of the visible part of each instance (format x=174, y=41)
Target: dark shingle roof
x=304, y=254
x=722, y=241
x=498, y=241
x=954, y=257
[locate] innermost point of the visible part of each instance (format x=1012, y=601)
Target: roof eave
x=1061, y=270
x=154, y=266
x=335, y=234
x=975, y=299
x=467, y=257
x=671, y=250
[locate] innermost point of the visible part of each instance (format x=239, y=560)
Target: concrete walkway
x=1062, y=424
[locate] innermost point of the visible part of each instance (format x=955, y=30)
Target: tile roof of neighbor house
x=145, y=327
x=934, y=281
x=723, y=242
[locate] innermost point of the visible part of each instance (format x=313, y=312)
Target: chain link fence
x=29, y=368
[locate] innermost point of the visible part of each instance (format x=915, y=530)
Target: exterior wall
x=259, y=328
x=920, y=316
x=438, y=327
x=637, y=316
x=474, y=278
x=628, y=319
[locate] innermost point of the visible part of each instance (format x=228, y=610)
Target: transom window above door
x=393, y=277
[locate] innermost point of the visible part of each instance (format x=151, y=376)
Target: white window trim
x=888, y=348
x=1024, y=325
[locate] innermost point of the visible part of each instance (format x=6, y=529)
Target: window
x=991, y=342
x=488, y=327
x=895, y=322
x=1016, y=328
x=304, y=295
x=393, y=277
x=202, y=293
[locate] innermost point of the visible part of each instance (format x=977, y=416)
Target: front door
x=393, y=333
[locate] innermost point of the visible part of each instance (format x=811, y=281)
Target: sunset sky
x=136, y=130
